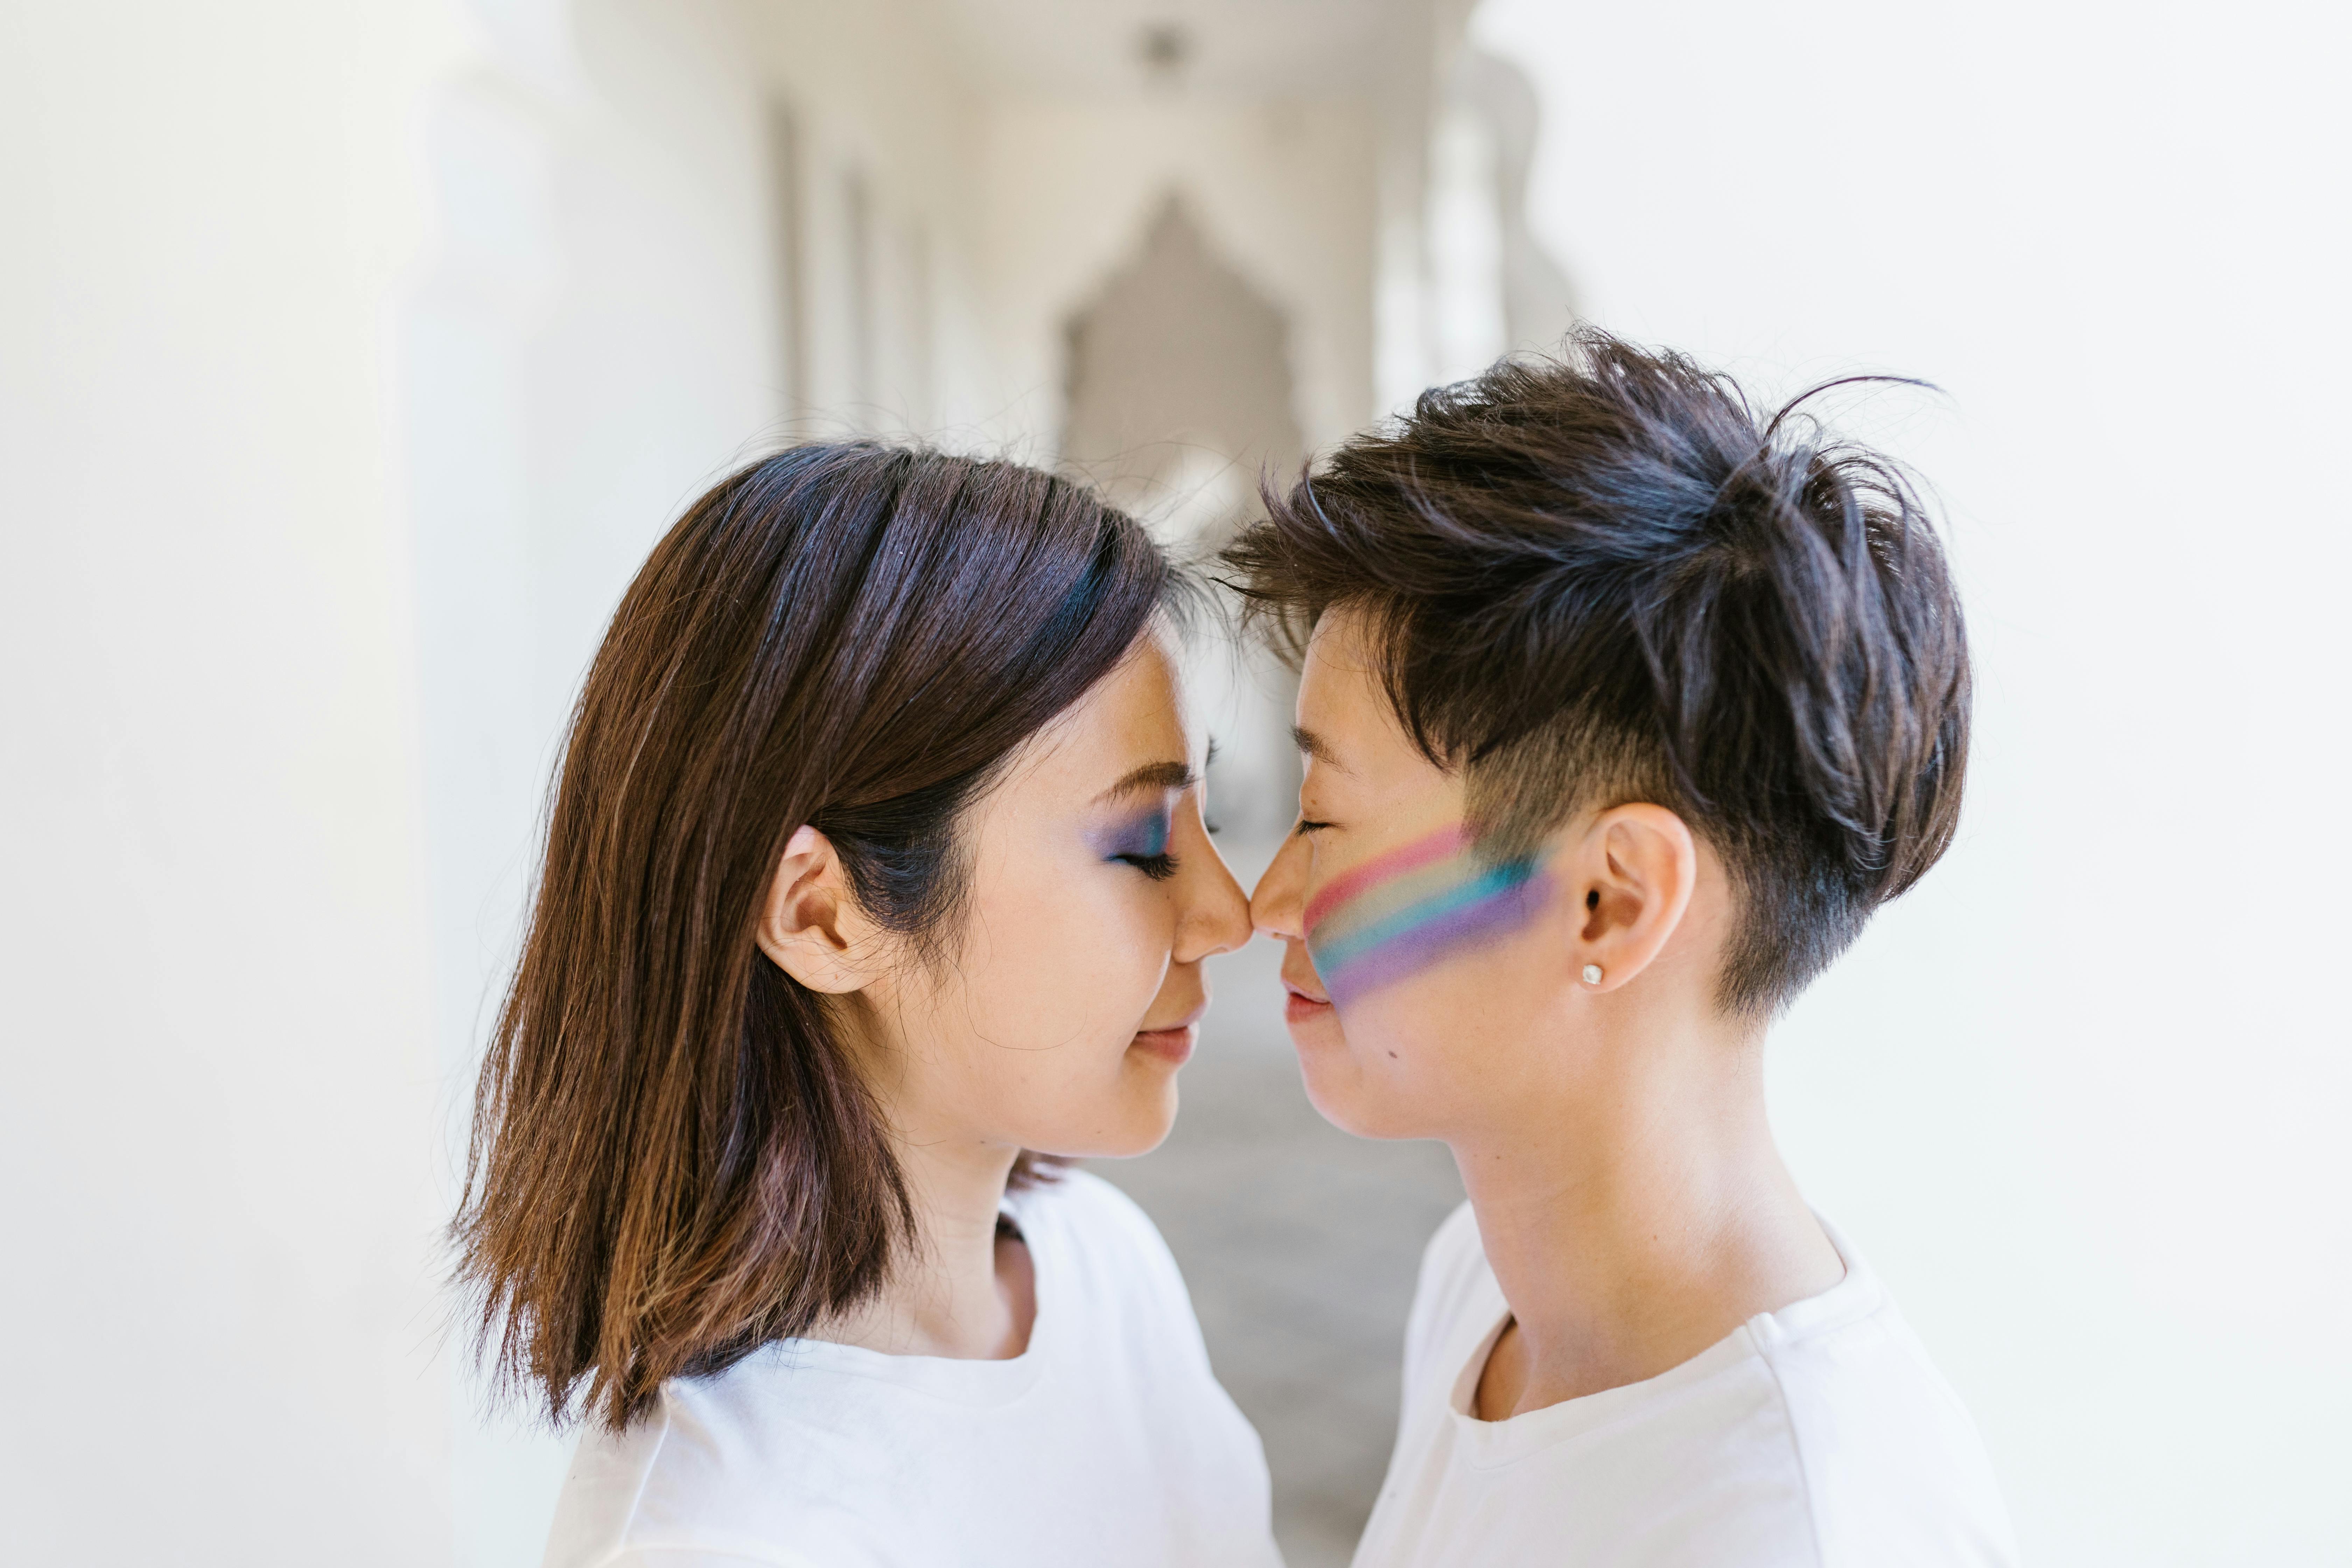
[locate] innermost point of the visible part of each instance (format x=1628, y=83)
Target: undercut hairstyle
x=674, y=1159
x=1605, y=577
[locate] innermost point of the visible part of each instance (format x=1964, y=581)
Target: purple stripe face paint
x=1401, y=912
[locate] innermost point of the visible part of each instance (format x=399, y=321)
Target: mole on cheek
x=1401, y=912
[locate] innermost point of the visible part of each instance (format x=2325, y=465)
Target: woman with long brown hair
x=876, y=882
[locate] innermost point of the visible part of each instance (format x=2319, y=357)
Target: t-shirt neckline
x=1487, y=1444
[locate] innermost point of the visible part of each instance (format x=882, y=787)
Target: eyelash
x=1159, y=867
x=1305, y=826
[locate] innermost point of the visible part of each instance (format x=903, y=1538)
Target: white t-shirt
x=1107, y=1443
x=1819, y=1434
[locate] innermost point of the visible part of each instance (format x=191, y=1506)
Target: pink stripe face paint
x=1401, y=912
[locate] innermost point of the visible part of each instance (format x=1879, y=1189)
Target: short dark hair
x=1603, y=577
x=674, y=1159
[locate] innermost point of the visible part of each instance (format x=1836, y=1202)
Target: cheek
x=1094, y=958
x=1394, y=1076
x=1373, y=933
x=1412, y=1058
x=1054, y=988
x=1413, y=1024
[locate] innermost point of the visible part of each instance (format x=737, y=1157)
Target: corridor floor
x=1300, y=1245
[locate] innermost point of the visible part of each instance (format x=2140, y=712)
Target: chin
x=1147, y=1128
x=1343, y=1092
x=1342, y=1098
x=1139, y=1121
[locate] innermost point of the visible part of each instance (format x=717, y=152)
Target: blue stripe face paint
x=1415, y=906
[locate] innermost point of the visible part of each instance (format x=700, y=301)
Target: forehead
x=1343, y=705
x=1134, y=714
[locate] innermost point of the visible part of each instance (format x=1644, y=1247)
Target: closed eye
x=1307, y=825
x=1159, y=867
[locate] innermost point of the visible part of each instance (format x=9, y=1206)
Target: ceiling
x=1242, y=48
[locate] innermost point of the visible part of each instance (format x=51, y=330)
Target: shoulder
x=763, y=1462
x=1095, y=1225
x=1103, y=1252
x=1083, y=1204
x=1453, y=1249
x=1454, y=1273
x=1455, y=1296
x=603, y=1488
x=1102, y=1264
x=1889, y=1457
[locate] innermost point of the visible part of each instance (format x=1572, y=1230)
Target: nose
x=1213, y=914
x=1279, y=906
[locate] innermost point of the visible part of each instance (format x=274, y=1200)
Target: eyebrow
x=1152, y=776
x=1316, y=747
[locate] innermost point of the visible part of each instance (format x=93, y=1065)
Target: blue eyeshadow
x=1144, y=839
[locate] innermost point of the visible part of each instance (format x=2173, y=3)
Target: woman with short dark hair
x=876, y=880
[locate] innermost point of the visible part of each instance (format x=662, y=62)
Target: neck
x=1635, y=1212
x=959, y=1289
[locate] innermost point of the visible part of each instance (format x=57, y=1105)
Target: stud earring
x=1592, y=975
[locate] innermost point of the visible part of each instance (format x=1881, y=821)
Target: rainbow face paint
x=1398, y=913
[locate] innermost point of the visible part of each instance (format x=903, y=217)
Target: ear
x=1634, y=874
x=809, y=925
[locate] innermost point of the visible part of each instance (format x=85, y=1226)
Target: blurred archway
x=1178, y=396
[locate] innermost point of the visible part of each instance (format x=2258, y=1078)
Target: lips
x=1299, y=1009
x=1303, y=1002
x=1173, y=1042
x=1303, y=987
x=1200, y=1011
x=1304, y=998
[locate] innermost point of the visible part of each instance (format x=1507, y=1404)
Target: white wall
x=882, y=99
x=588, y=335
x=351, y=358
x=2081, y=1096
x=213, y=936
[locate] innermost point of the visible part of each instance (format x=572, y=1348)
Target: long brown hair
x=672, y=1160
